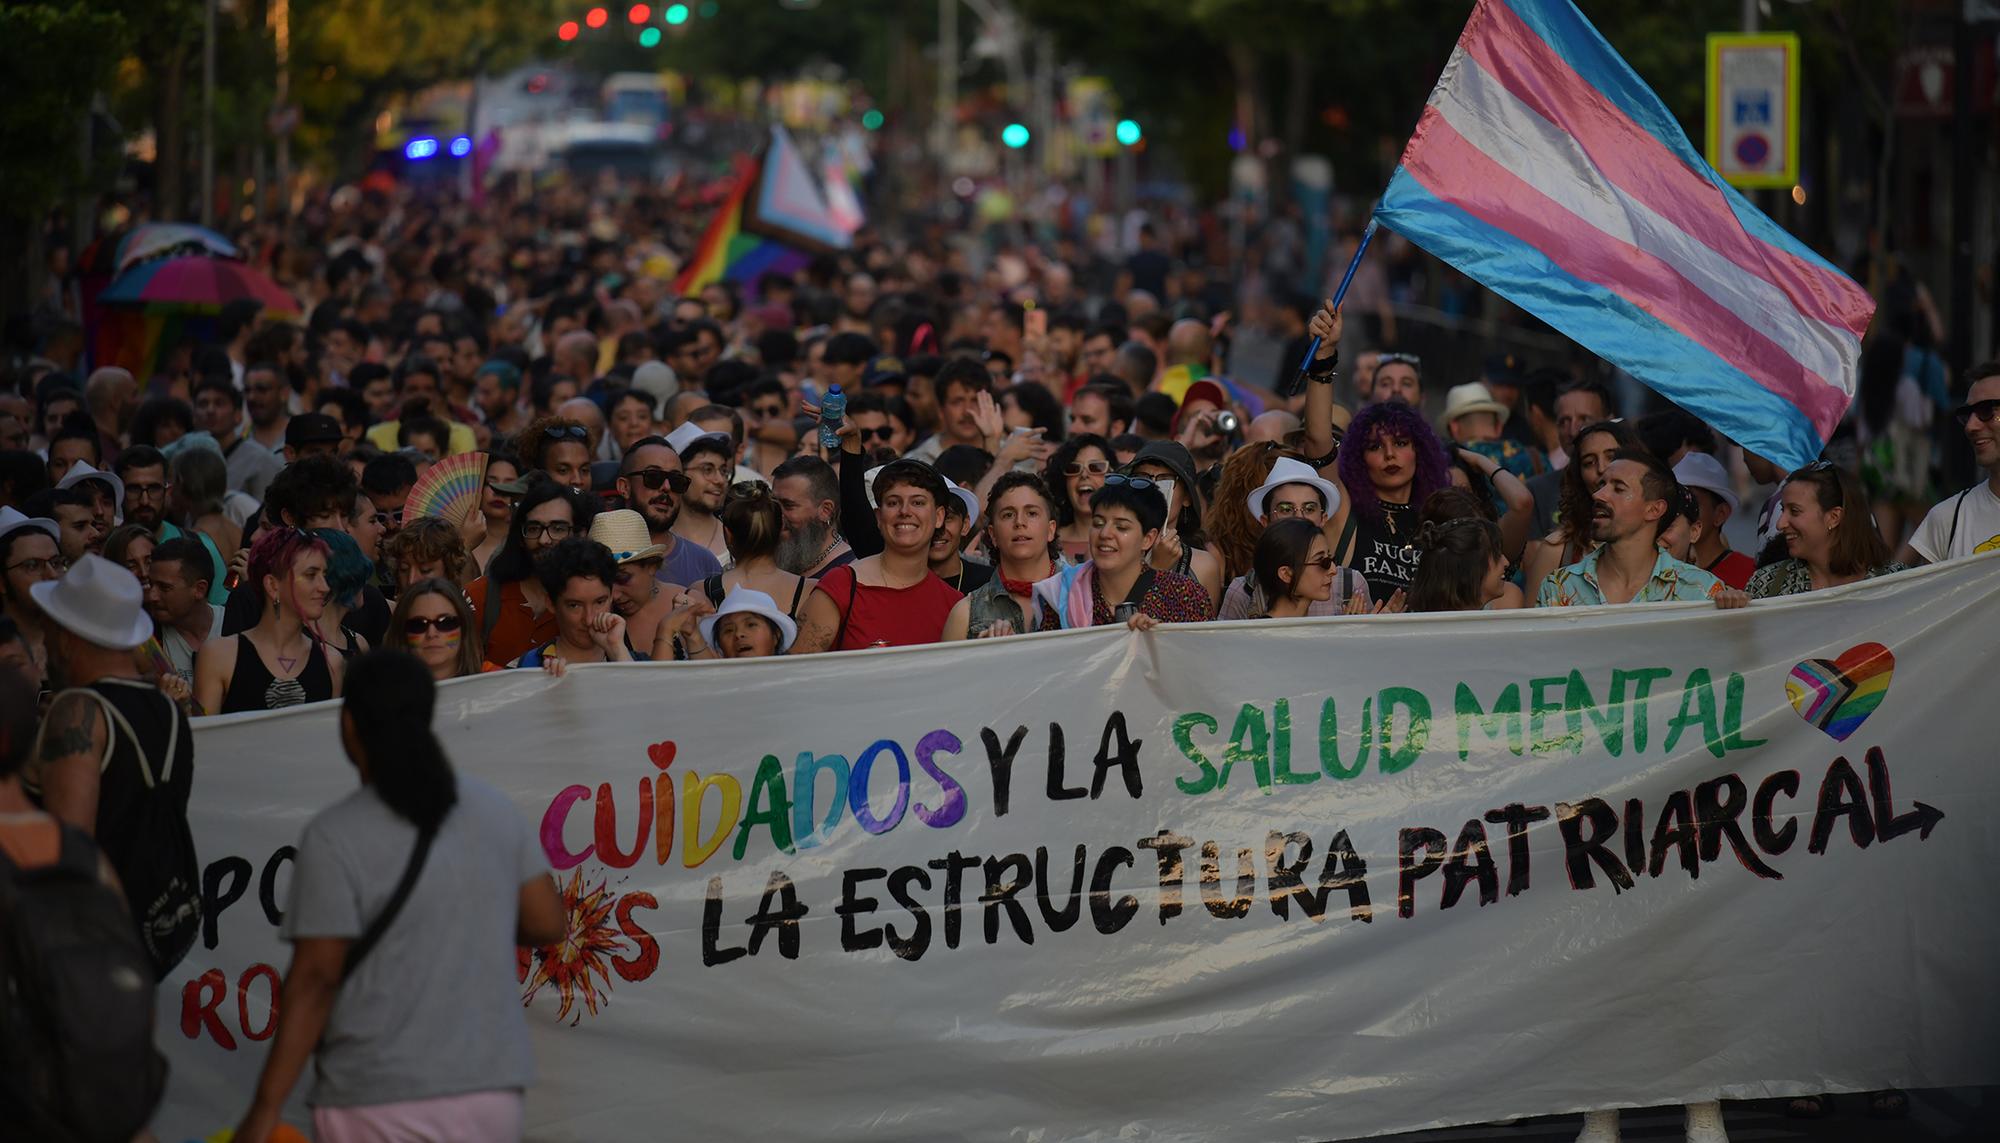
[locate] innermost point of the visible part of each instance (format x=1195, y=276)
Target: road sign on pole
x=1753, y=108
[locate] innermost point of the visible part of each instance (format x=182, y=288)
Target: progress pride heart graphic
x=1837, y=695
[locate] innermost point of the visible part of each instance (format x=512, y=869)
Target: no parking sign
x=1753, y=97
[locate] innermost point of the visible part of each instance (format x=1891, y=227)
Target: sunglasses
x=1409, y=359
x=443, y=624
x=1094, y=468
x=1140, y=483
x=1323, y=563
x=566, y=432
x=883, y=433
x=652, y=478
x=768, y=410
x=1985, y=411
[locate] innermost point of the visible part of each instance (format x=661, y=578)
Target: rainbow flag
x=1545, y=168
x=729, y=252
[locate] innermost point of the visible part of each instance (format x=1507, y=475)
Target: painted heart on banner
x=662, y=754
x=1837, y=695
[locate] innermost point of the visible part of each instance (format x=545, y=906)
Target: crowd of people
x=897, y=446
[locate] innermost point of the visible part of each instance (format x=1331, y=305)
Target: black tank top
x=254, y=687
x=1384, y=550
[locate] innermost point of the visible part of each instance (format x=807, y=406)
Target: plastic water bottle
x=832, y=411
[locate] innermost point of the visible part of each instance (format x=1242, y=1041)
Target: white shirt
x=1976, y=512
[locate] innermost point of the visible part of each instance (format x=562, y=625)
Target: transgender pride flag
x=1546, y=169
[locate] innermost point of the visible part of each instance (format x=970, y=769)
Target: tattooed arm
x=74, y=735
x=819, y=626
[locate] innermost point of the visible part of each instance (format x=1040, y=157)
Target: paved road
x=1935, y=1114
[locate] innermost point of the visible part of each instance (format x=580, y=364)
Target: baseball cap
x=884, y=370
x=312, y=428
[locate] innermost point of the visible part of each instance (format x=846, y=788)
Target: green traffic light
x=1128, y=132
x=649, y=38
x=677, y=14
x=871, y=119
x=1015, y=135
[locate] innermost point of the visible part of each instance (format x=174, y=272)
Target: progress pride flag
x=1544, y=167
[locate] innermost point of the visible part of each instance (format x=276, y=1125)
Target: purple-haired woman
x=1390, y=463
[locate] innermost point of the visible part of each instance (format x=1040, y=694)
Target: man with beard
x=496, y=396
x=267, y=397
x=177, y=599
x=218, y=409
x=959, y=385
x=30, y=553
x=709, y=460
x=1630, y=509
x=75, y=512
x=808, y=495
x=651, y=481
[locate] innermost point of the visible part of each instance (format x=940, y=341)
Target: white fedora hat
x=689, y=432
x=82, y=470
x=12, y=521
x=97, y=601
x=746, y=599
x=1290, y=471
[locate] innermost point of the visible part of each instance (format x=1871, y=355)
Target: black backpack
x=76, y=1005
x=164, y=888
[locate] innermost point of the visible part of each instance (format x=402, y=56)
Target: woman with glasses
x=515, y=614
x=1076, y=470
x=1115, y=585
x=496, y=504
x=1829, y=534
x=434, y=623
x=1294, y=568
x=280, y=661
x=558, y=447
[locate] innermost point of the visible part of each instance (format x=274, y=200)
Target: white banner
x=1255, y=881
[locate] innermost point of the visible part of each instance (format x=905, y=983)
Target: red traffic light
x=596, y=17
x=639, y=14
x=567, y=31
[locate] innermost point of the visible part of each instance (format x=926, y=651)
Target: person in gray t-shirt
x=432, y=1012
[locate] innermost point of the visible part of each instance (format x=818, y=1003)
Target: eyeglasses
x=443, y=624
x=652, y=478
x=1285, y=508
x=1094, y=468
x=147, y=491
x=1141, y=483
x=56, y=564
x=1986, y=411
x=553, y=529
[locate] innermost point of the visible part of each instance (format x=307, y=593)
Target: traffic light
x=567, y=30
x=1015, y=135
x=677, y=14
x=649, y=38
x=596, y=17
x=1128, y=132
x=639, y=14
x=871, y=119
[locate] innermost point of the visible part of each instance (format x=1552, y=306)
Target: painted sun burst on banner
x=586, y=949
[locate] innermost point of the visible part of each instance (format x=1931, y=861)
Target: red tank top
x=887, y=616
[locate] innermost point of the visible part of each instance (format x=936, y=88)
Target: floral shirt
x=1171, y=599
x=1793, y=577
x=1672, y=581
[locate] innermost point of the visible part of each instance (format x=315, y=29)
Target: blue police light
x=461, y=146
x=1128, y=132
x=420, y=148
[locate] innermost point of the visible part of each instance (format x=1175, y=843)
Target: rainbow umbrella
x=157, y=238
x=196, y=281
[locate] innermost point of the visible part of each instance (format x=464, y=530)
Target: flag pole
x=1340, y=293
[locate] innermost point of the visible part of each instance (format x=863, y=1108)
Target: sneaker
x=1704, y=1123
x=1599, y=1127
